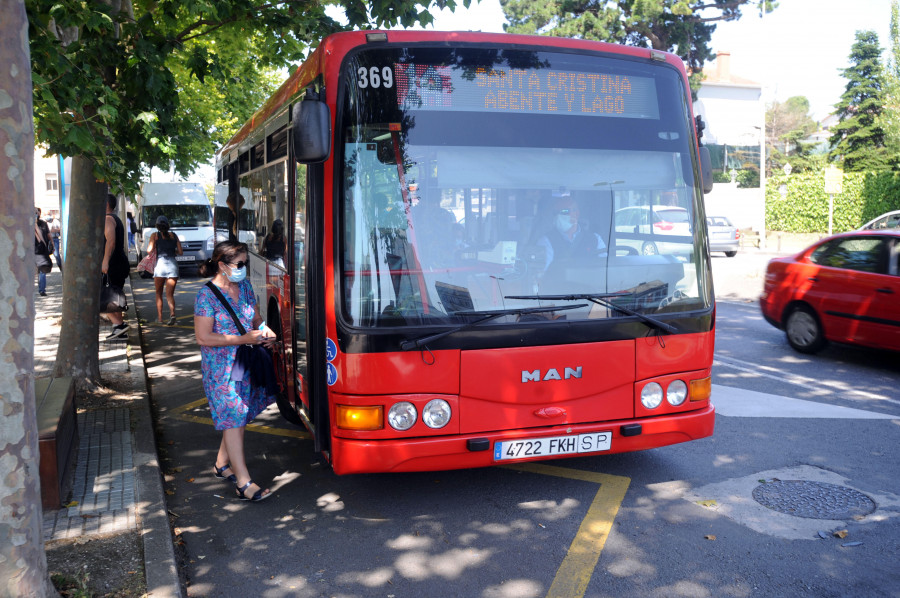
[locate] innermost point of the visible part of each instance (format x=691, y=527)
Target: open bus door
x=310, y=147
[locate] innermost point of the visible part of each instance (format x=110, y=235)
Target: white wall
x=744, y=207
x=734, y=115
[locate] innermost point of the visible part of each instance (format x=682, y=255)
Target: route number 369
x=374, y=77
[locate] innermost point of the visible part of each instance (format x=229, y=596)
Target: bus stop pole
x=830, y=211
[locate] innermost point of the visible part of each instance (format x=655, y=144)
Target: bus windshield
x=479, y=179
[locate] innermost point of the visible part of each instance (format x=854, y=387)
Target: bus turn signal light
x=355, y=417
x=701, y=389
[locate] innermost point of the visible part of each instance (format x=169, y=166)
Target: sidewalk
x=117, y=483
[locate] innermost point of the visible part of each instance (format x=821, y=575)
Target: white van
x=187, y=207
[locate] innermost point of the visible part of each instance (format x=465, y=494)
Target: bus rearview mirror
x=311, y=131
x=706, y=169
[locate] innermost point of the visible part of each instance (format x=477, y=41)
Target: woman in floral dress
x=233, y=404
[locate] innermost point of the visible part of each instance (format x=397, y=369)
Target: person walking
x=42, y=243
x=132, y=229
x=233, y=403
x=165, y=275
x=115, y=263
x=55, y=235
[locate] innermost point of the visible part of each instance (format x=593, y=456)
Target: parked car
x=644, y=227
x=723, y=236
x=887, y=220
x=845, y=288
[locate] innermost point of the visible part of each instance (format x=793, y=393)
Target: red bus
x=495, y=248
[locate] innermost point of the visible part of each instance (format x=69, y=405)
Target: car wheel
x=804, y=332
x=731, y=253
x=649, y=249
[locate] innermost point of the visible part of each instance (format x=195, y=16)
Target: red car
x=845, y=289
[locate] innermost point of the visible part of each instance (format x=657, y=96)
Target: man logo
x=552, y=374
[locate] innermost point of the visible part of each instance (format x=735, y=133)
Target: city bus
x=463, y=280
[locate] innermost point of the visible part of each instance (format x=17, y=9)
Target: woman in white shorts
x=165, y=274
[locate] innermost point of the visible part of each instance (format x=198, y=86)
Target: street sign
x=834, y=180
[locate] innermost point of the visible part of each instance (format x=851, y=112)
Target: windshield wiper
x=601, y=299
x=485, y=316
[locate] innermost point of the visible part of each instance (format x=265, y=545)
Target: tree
x=788, y=123
x=23, y=563
x=890, y=116
x=858, y=139
x=683, y=27
x=126, y=85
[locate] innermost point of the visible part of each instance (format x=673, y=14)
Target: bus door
x=310, y=356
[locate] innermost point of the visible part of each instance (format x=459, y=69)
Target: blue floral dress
x=232, y=404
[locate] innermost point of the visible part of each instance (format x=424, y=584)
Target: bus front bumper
x=350, y=456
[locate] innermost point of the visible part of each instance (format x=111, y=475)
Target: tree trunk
x=23, y=563
x=77, y=355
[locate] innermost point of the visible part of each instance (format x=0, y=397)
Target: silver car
x=723, y=236
x=887, y=220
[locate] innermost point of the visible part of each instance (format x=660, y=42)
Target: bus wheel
x=803, y=330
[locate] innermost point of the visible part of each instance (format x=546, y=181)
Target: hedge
x=803, y=208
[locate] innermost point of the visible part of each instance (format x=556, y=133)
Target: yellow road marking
x=181, y=413
x=575, y=572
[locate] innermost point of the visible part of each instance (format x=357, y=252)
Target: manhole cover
x=813, y=500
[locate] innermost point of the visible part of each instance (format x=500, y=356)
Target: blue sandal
x=260, y=494
x=220, y=473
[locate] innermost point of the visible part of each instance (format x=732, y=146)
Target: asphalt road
x=675, y=521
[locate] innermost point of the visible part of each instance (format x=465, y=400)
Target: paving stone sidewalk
x=116, y=482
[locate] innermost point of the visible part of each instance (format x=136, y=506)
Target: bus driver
x=567, y=242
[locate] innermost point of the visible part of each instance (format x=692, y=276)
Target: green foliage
x=858, y=140
x=158, y=82
x=889, y=120
x=788, y=123
x=747, y=178
x=683, y=27
x=804, y=206
x=721, y=177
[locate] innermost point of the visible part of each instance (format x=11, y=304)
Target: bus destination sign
x=534, y=91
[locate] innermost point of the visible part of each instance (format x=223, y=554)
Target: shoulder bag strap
x=227, y=305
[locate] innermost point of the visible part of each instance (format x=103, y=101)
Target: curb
x=160, y=569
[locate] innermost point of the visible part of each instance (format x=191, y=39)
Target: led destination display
x=534, y=91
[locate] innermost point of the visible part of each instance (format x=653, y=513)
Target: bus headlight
x=402, y=416
x=436, y=413
x=676, y=393
x=651, y=395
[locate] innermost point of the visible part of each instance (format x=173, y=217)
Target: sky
x=797, y=50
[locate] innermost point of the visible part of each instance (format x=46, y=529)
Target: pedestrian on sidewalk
x=165, y=274
x=42, y=251
x=115, y=262
x=55, y=235
x=132, y=229
x=233, y=403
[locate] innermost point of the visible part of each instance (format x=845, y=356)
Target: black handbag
x=43, y=263
x=41, y=254
x=112, y=299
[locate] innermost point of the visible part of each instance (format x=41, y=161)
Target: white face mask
x=237, y=274
x=564, y=223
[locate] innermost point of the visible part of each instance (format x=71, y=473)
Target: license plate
x=185, y=258
x=548, y=447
